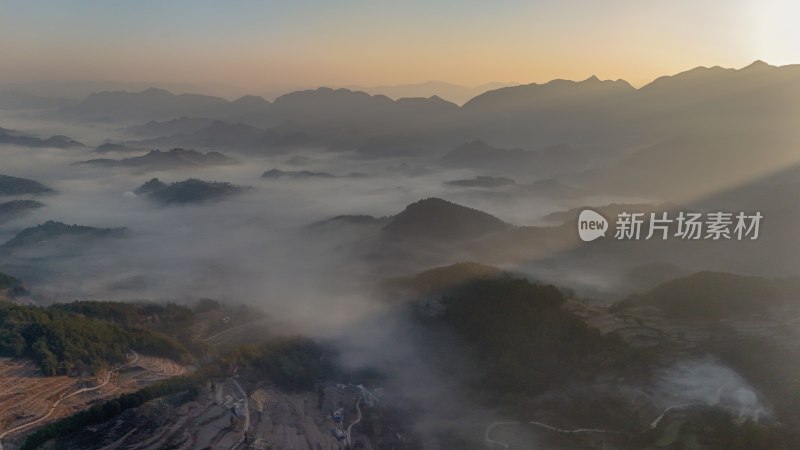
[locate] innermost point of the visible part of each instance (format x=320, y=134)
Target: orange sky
x=254, y=46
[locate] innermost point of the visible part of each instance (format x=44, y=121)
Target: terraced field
x=25, y=394
x=29, y=400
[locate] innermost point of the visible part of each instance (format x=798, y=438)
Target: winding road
x=358, y=419
x=65, y=397
x=488, y=433
x=246, y=415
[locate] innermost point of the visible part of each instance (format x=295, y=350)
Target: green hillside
x=60, y=341
x=522, y=337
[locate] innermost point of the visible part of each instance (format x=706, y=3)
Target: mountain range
x=451, y=92
x=13, y=137
x=158, y=160
x=605, y=135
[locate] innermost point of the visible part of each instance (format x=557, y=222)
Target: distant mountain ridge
x=637, y=138
x=14, y=137
x=232, y=136
x=50, y=230
x=180, y=125
x=20, y=186
x=154, y=103
x=277, y=173
x=160, y=160
x=149, y=103
x=550, y=94
x=451, y=92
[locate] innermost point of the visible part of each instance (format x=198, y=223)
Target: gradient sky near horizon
x=256, y=45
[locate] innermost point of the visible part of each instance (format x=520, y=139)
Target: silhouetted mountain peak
x=554, y=92
x=438, y=219
x=156, y=91
x=705, y=75
x=14, y=137
x=251, y=101
x=152, y=103
x=16, y=186
x=162, y=160
x=327, y=94
x=757, y=65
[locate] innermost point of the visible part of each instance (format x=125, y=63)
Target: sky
x=255, y=45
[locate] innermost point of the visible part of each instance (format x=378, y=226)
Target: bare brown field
x=161, y=366
x=29, y=400
x=25, y=394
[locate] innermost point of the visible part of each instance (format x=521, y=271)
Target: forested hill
x=61, y=342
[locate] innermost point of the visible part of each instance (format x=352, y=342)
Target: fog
x=257, y=248
x=260, y=248
x=253, y=248
x=708, y=382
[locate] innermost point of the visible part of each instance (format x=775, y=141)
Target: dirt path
x=246, y=415
x=65, y=397
x=358, y=419
x=488, y=433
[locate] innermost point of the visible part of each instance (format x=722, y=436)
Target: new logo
x=591, y=225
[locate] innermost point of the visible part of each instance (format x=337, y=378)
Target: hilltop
x=277, y=173
x=13, y=137
x=441, y=279
x=187, y=191
x=434, y=218
x=51, y=232
x=19, y=186
x=524, y=339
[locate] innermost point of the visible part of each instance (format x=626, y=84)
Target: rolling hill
x=187, y=191
x=437, y=219
x=50, y=233
x=20, y=186
x=12, y=137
